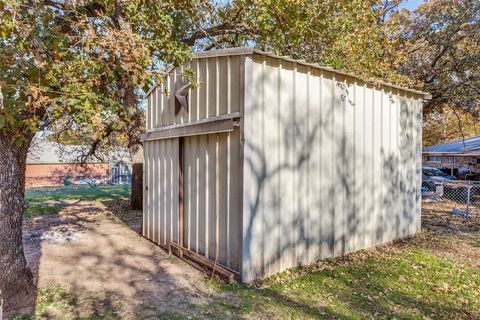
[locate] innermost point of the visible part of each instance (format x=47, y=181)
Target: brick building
x=49, y=163
x=454, y=155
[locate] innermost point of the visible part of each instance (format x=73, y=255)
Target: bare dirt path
x=109, y=267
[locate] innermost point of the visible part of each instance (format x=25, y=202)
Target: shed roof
x=249, y=50
x=462, y=146
x=44, y=151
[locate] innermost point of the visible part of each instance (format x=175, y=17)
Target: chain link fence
x=454, y=198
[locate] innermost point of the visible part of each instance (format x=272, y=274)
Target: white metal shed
x=272, y=162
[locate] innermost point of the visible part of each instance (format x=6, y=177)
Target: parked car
x=432, y=176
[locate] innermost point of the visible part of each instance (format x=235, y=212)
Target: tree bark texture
x=136, y=194
x=135, y=115
x=16, y=281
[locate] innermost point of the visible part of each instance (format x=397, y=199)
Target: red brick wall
x=460, y=162
x=40, y=175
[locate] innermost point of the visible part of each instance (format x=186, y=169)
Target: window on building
x=434, y=159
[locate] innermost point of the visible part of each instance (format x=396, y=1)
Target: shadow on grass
x=401, y=284
x=118, y=275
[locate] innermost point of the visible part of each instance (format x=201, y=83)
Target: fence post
x=467, y=211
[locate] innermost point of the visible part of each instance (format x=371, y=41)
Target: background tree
x=439, y=52
x=72, y=66
x=140, y=39
x=77, y=69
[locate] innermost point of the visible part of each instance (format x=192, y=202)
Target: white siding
x=219, y=92
x=331, y=165
x=321, y=164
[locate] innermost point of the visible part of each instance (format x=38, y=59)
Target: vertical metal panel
x=208, y=194
x=161, y=191
x=331, y=165
x=219, y=92
x=322, y=165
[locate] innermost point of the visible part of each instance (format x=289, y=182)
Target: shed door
x=212, y=174
x=160, y=213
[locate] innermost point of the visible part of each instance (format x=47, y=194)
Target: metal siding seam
x=365, y=213
x=263, y=213
x=217, y=87
x=197, y=155
x=398, y=204
x=158, y=180
x=202, y=93
x=307, y=220
x=149, y=112
x=241, y=90
x=187, y=196
x=278, y=118
x=229, y=89
x=153, y=110
x=144, y=188
x=229, y=252
x=335, y=229
x=374, y=206
x=166, y=105
x=293, y=156
x=168, y=190
x=212, y=87
x=163, y=191
x=227, y=207
x=246, y=261
x=171, y=94
x=321, y=170
x=202, y=233
x=155, y=211
x=217, y=196
x=419, y=166
x=146, y=191
x=382, y=169
x=353, y=225
x=150, y=188
x=194, y=97
x=158, y=107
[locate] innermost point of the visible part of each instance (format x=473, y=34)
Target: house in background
x=454, y=155
x=50, y=164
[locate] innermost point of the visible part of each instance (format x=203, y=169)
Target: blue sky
x=411, y=4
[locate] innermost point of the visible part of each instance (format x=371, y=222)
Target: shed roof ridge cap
x=250, y=50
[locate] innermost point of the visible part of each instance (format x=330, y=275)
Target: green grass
x=37, y=210
x=57, y=302
x=394, y=284
x=99, y=193
x=45, y=201
x=409, y=280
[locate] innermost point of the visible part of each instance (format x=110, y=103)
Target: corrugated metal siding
x=160, y=214
x=322, y=164
x=212, y=164
x=332, y=165
x=212, y=175
x=219, y=92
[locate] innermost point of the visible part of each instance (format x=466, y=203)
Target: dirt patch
x=451, y=236
x=108, y=266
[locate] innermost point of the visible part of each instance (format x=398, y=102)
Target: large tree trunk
x=16, y=281
x=136, y=194
x=135, y=115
